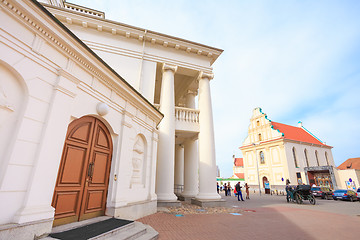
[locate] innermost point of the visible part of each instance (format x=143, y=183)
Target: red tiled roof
x=351, y=163
x=240, y=175
x=295, y=133
x=239, y=162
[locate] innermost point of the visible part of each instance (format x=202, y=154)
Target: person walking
x=247, y=191
x=229, y=189
x=238, y=190
x=217, y=187
x=225, y=189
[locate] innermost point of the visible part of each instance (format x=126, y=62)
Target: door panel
x=65, y=203
x=75, y=158
x=100, y=167
x=83, y=177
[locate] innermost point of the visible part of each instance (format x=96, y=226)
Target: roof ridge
x=311, y=134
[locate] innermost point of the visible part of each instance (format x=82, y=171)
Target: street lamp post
x=257, y=164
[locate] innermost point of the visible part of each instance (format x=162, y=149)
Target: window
x=257, y=123
x=326, y=157
x=260, y=138
x=262, y=158
x=306, y=158
x=294, y=155
x=317, y=157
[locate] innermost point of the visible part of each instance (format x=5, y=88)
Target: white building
x=274, y=152
x=80, y=132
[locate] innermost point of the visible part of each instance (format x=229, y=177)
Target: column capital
x=168, y=67
x=193, y=92
x=205, y=75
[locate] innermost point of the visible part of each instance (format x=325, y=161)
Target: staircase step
x=150, y=234
x=131, y=231
x=100, y=229
x=136, y=232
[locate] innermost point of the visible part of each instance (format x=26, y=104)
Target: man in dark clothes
x=238, y=190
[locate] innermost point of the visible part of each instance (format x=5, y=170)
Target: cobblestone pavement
x=265, y=217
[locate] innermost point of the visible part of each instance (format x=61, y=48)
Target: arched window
x=257, y=123
x=317, y=157
x=260, y=138
x=306, y=158
x=326, y=157
x=262, y=158
x=294, y=155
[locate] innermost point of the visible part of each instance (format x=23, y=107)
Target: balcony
x=187, y=119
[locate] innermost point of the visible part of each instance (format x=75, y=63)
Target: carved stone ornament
x=3, y=101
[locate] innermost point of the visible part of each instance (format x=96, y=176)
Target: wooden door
x=83, y=177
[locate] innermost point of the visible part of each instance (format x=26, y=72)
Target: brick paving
x=274, y=220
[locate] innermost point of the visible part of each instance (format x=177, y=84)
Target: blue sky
x=297, y=60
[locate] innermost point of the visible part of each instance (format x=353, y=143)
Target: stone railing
x=84, y=10
x=187, y=115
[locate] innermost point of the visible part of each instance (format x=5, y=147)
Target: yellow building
x=274, y=152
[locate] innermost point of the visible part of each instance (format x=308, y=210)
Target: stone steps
x=131, y=231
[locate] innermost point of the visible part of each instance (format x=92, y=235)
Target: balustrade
x=187, y=115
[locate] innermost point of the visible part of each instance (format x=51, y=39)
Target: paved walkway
x=265, y=217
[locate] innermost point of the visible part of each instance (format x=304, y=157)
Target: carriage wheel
x=298, y=199
x=312, y=200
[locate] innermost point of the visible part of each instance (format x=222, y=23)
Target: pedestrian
x=238, y=190
x=225, y=189
x=217, y=187
x=229, y=189
x=247, y=191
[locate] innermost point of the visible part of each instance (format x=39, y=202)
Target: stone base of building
x=168, y=203
x=133, y=211
x=31, y=230
x=208, y=203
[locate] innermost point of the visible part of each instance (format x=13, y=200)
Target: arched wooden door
x=83, y=177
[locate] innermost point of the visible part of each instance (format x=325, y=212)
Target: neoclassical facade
x=274, y=152
x=98, y=118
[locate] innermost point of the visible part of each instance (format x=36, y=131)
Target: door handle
x=90, y=170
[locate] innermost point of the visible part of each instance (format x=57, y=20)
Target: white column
x=191, y=159
x=179, y=165
x=190, y=99
x=191, y=166
x=166, y=149
x=207, y=162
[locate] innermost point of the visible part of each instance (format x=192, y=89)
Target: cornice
x=306, y=143
x=144, y=55
x=60, y=37
x=135, y=33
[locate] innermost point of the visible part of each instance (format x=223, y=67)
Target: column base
x=208, y=203
x=166, y=197
x=169, y=203
x=208, y=196
x=185, y=198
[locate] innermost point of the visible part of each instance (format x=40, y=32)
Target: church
x=274, y=152
x=98, y=118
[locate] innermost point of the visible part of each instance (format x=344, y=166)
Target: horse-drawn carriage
x=299, y=193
